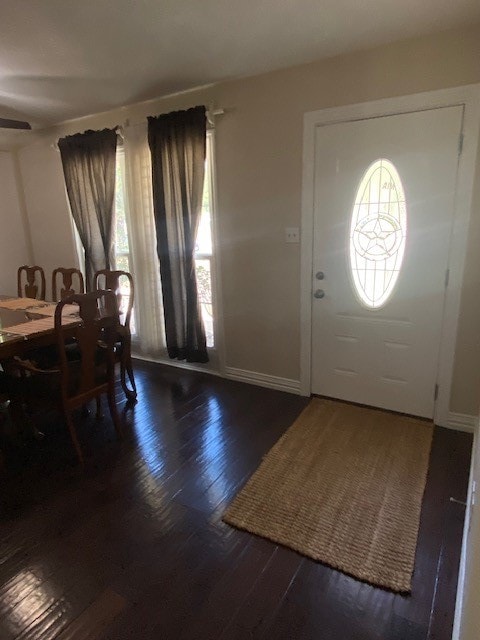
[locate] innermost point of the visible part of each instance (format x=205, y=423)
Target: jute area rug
x=344, y=486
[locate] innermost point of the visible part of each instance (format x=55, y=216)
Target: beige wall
x=48, y=213
x=466, y=377
x=259, y=174
x=14, y=240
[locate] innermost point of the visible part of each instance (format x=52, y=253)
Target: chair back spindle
x=71, y=282
x=111, y=279
x=27, y=282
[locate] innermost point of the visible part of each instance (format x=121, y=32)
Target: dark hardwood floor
x=133, y=546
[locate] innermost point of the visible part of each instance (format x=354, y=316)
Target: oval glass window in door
x=378, y=233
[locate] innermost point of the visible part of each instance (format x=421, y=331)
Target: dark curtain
x=178, y=146
x=89, y=168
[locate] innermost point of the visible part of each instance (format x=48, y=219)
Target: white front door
x=384, y=193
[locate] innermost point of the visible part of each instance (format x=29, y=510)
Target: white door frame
x=468, y=97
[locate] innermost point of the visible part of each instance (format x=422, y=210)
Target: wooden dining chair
x=31, y=282
x=70, y=280
x=112, y=279
x=83, y=372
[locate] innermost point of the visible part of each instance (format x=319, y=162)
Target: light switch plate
x=292, y=234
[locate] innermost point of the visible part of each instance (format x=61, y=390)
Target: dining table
x=27, y=324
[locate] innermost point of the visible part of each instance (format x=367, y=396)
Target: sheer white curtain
x=150, y=339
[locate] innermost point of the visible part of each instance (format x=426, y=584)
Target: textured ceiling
x=61, y=59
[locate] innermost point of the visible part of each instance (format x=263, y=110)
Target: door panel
x=385, y=357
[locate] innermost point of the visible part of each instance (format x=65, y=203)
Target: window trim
x=217, y=352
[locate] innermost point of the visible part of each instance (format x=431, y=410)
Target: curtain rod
x=118, y=129
x=211, y=114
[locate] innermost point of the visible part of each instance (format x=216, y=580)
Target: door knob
x=320, y=275
x=319, y=293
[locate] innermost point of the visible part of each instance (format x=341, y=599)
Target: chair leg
x=99, y=413
x=126, y=367
x=131, y=377
x=73, y=435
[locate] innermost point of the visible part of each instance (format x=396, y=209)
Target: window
x=203, y=245
x=121, y=244
x=122, y=249
x=203, y=249
x=378, y=233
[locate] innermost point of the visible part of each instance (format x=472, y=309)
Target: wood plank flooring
x=133, y=545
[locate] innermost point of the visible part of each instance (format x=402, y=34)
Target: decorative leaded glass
x=378, y=233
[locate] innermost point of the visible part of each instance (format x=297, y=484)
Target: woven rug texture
x=344, y=486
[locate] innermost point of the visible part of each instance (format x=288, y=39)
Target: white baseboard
x=462, y=422
x=263, y=380
x=180, y=364
x=232, y=373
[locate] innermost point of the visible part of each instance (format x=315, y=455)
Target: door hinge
x=460, y=144
x=447, y=277
x=435, y=393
